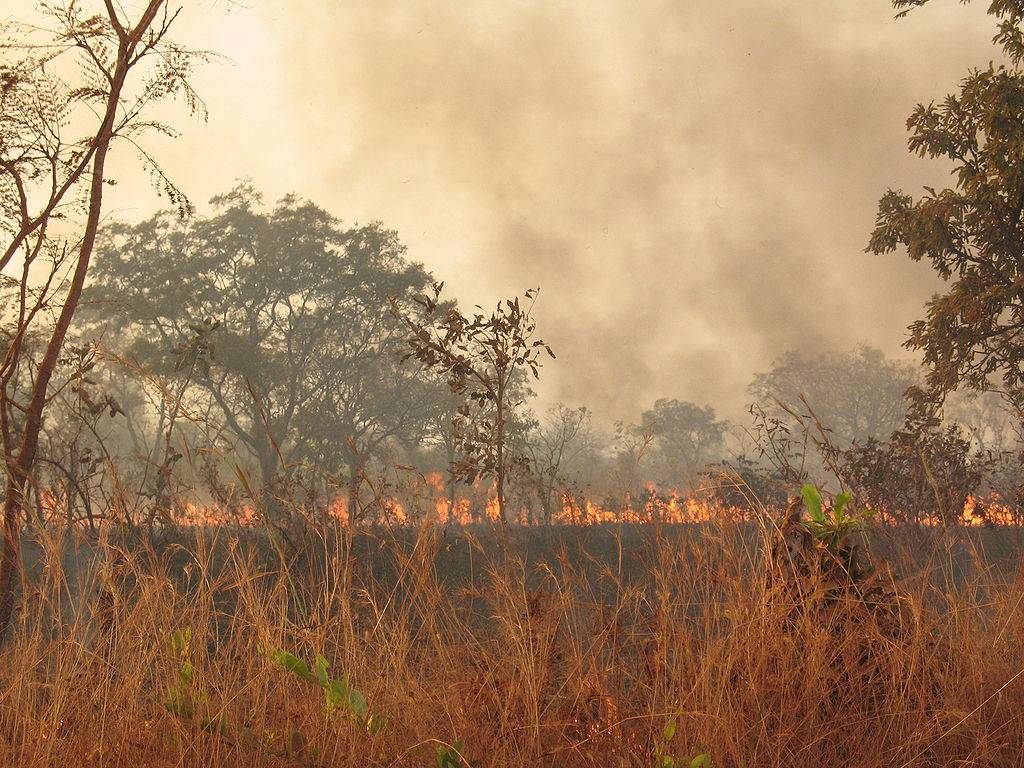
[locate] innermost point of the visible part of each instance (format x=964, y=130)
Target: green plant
x=663, y=757
x=450, y=755
x=184, y=699
x=832, y=526
x=339, y=695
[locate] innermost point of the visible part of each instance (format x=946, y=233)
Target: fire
x=988, y=510
x=434, y=502
x=675, y=508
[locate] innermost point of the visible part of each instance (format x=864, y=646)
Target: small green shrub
x=185, y=699
x=834, y=526
x=664, y=758
x=339, y=695
x=450, y=755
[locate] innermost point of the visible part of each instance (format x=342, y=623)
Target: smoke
x=690, y=184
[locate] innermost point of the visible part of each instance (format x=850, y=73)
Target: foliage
x=184, y=698
x=685, y=437
x=972, y=233
x=833, y=526
x=664, y=758
x=281, y=316
x=482, y=357
x=450, y=755
x=102, y=74
x=825, y=572
x=921, y=472
x=857, y=394
x=1010, y=14
x=339, y=695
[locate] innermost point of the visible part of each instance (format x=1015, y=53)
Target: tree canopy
x=280, y=316
x=856, y=394
x=685, y=437
x=971, y=232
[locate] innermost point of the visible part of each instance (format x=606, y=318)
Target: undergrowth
x=208, y=657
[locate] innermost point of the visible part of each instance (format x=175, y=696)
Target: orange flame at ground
x=438, y=504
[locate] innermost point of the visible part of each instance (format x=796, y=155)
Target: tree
x=856, y=394
x=685, y=436
x=985, y=417
x=299, y=351
x=553, y=446
x=51, y=190
x=921, y=473
x=972, y=233
x=484, y=357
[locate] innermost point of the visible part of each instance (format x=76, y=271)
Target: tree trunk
x=499, y=448
x=355, y=479
x=545, y=505
x=453, y=499
x=10, y=564
x=19, y=466
x=452, y=483
x=268, y=473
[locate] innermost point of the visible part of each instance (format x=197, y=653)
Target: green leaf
x=289, y=662
x=670, y=731
x=185, y=673
x=449, y=757
x=839, y=504
x=180, y=640
x=357, y=703
x=812, y=500
x=337, y=695
x=320, y=667
x=703, y=760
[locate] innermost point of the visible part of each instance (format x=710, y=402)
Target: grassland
x=645, y=647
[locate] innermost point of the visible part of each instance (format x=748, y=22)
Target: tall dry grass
x=574, y=661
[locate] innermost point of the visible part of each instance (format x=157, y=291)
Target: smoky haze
x=691, y=184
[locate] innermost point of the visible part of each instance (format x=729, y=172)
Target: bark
x=20, y=465
x=268, y=460
x=355, y=477
x=499, y=475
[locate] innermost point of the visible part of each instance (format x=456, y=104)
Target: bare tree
x=51, y=191
x=555, y=444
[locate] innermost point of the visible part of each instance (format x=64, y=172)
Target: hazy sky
x=690, y=183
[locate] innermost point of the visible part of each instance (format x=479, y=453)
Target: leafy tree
x=972, y=232
x=857, y=394
x=920, y=472
x=483, y=357
x=985, y=417
x=72, y=87
x=686, y=436
x=285, y=315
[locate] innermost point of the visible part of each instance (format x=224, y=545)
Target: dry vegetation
x=572, y=660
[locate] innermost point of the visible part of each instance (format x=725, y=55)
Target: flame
x=988, y=510
x=430, y=503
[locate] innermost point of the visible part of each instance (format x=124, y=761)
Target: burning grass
x=676, y=648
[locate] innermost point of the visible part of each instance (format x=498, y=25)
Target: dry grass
x=565, y=664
